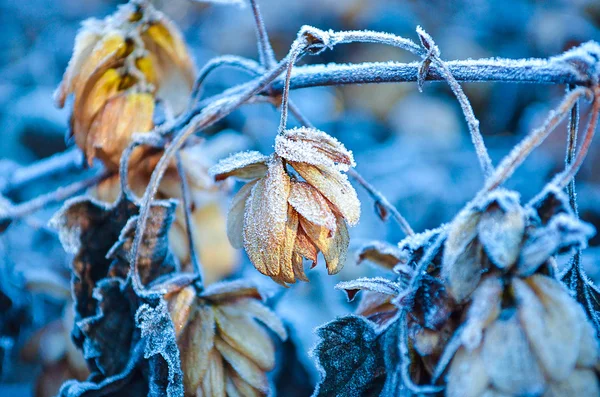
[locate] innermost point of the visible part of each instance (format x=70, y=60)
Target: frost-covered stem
x=570, y=155
x=433, y=54
x=207, y=117
x=234, y=61
x=538, y=71
x=565, y=177
x=295, y=52
x=62, y=193
x=265, y=51
x=140, y=139
x=63, y=162
x=510, y=163
x=367, y=36
x=187, y=210
x=382, y=201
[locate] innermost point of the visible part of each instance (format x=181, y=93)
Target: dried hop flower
x=120, y=67
x=541, y=344
x=296, y=204
x=224, y=351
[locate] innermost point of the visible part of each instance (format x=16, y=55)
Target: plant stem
x=510, y=163
x=381, y=200
x=63, y=162
x=482, y=154
x=565, y=177
x=265, y=51
x=187, y=210
x=570, y=155
x=20, y=210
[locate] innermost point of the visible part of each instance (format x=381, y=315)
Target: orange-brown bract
x=121, y=66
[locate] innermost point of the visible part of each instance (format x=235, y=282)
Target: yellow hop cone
x=540, y=344
x=280, y=219
x=120, y=67
x=224, y=350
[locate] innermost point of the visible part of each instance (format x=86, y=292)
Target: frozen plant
x=474, y=307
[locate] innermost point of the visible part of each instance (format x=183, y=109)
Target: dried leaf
x=500, y=231
x=467, y=376
x=311, y=205
x=235, y=218
x=311, y=146
x=381, y=253
x=509, y=361
x=165, y=377
x=376, y=284
x=265, y=219
x=550, y=319
x=334, y=248
x=243, y=165
x=335, y=187
x=562, y=233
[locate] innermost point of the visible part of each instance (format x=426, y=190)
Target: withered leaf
x=155, y=259
x=562, y=233
x=88, y=229
x=350, y=357
x=108, y=336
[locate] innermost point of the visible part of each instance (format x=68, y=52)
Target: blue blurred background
x=412, y=146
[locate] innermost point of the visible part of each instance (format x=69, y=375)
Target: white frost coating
x=237, y=161
x=311, y=205
x=375, y=284
x=583, y=60
x=335, y=187
x=311, y=146
x=265, y=218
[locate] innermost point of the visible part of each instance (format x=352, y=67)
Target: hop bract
x=296, y=204
x=120, y=67
x=224, y=351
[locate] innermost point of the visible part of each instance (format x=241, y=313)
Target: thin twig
x=510, y=163
x=63, y=162
x=139, y=139
x=540, y=71
x=265, y=51
x=565, y=177
x=187, y=210
x=434, y=54
x=57, y=196
x=382, y=201
x=295, y=54
x=234, y=61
